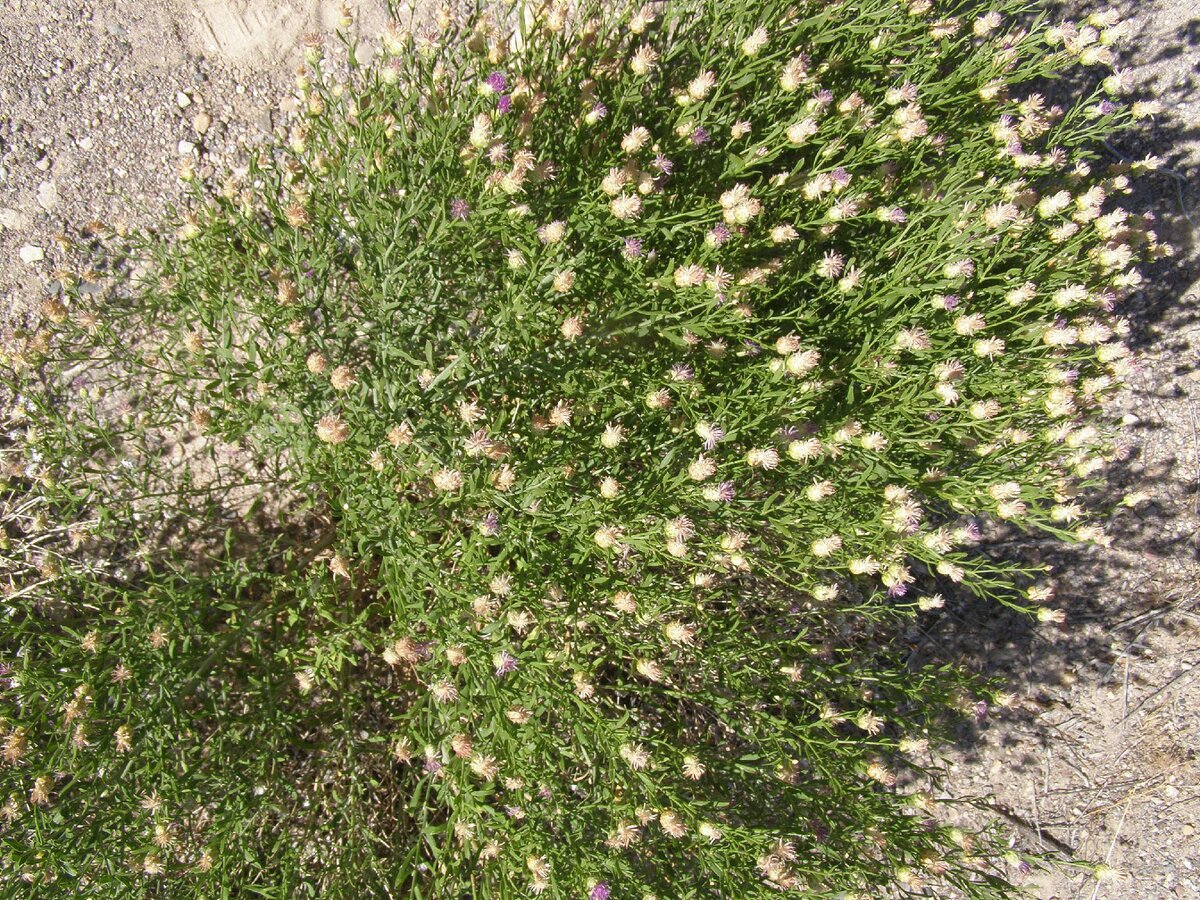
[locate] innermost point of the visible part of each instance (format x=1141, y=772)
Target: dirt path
x=100, y=100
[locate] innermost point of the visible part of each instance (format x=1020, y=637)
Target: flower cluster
x=517, y=480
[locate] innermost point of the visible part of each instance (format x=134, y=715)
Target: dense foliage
x=518, y=478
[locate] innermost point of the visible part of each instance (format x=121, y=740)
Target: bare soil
x=1101, y=754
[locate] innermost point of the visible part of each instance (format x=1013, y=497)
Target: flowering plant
x=518, y=479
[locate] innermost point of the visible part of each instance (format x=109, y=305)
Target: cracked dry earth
x=101, y=99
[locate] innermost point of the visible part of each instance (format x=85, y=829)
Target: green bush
x=521, y=477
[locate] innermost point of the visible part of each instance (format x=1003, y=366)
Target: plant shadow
x=1079, y=738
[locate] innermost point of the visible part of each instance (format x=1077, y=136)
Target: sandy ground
x=101, y=99
x=1102, y=754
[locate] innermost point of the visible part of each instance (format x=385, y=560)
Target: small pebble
x=183, y=100
x=201, y=123
x=13, y=218
x=186, y=148
x=47, y=195
x=31, y=254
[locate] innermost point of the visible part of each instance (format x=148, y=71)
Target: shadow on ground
x=1099, y=754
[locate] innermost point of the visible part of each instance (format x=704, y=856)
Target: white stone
x=183, y=100
x=186, y=148
x=47, y=195
x=31, y=254
x=13, y=218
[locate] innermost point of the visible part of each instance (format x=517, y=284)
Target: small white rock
x=31, y=254
x=47, y=195
x=183, y=100
x=13, y=218
x=87, y=143
x=202, y=122
x=186, y=148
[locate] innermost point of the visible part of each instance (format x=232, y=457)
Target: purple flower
x=504, y=104
x=1107, y=107
x=699, y=136
x=715, y=435
x=682, y=372
x=600, y=892
x=459, y=209
x=432, y=765
x=505, y=663
x=599, y=111
x=898, y=590
x=632, y=248
x=497, y=82
x=726, y=492
x=491, y=524
x=720, y=234
x=981, y=711
x=663, y=164
x=840, y=176
x=823, y=97
x=949, y=302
